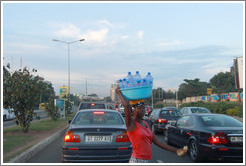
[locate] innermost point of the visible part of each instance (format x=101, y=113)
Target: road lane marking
x=159, y=161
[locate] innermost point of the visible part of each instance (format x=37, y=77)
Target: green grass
x=12, y=141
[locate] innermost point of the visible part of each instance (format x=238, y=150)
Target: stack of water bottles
x=134, y=87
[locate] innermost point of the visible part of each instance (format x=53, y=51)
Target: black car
x=208, y=136
x=92, y=105
x=159, y=118
x=97, y=135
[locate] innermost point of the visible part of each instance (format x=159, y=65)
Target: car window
x=92, y=106
x=186, y=111
x=182, y=121
x=220, y=121
x=153, y=113
x=165, y=113
x=106, y=118
x=199, y=110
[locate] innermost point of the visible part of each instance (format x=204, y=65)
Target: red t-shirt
x=141, y=139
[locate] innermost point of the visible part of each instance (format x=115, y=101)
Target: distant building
x=171, y=90
x=112, y=92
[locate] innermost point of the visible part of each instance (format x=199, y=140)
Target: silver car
x=97, y=135
x=192, y=110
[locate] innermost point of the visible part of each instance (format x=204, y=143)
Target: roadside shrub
x=240, y=110
x=52, y=110
x=232, y=111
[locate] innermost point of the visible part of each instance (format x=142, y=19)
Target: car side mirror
x=69, y=121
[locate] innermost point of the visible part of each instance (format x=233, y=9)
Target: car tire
x=194, y=151
x=4, y=117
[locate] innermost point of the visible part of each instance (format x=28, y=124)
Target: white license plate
x=236, y=139
x=97, y=139
x=171, y=121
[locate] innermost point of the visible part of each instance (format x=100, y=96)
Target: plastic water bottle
x=149, y=79
x=144, y=82
x=120, y=84
x=129, y=80
x=124, y=84
x=137, y=79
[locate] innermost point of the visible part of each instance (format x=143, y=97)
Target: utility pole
x=177, y=99
x=86, y=86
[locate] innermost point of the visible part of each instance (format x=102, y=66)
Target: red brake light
x=69, y=137
x=217, y=139
x=162, y=120
x=98, y=112
x=122, y=138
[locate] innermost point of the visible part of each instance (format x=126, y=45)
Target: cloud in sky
x=117, y=42
x=140, y=34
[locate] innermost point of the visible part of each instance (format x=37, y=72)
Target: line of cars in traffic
x=208, y=135
x=98, y=134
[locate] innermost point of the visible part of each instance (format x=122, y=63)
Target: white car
x=8, y=114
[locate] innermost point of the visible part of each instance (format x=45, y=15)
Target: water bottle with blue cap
x=129, y=80
x=137, y=79
x=149, y=79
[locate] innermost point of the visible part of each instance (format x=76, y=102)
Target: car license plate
x=236, y=139
x=171, y=121
x=97, y=138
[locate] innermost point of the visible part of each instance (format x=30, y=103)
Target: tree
x=192, y=88
x=21, y=91
x=52, y=110
x=223, y=83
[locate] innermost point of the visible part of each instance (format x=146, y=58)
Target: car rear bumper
x=96, y=155
x=221, y=152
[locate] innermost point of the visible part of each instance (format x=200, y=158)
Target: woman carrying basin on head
x=140, y=134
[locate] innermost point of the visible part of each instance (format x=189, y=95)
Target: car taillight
x=162, y=120
x=69, y=137
x=217, y=139
x=122, y=138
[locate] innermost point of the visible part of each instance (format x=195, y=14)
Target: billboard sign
x=209, y=91
x=60, y=103
x=63, y=91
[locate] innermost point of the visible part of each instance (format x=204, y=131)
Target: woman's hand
x=181, y=152
x=122, y=98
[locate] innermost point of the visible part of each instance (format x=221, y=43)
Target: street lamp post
x=68, y=43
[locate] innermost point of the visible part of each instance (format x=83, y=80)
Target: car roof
x=92, y=110
x=100, y=102
x=169, y=108
x=194, y=107
x=208, y=114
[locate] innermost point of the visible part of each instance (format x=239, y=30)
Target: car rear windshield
x=98, y=117
x=92, y=106
x=199, y=110
x=165, y=113
x=220, y=121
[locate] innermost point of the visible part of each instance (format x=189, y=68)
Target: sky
x=173, y=41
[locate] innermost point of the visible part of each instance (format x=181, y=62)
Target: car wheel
x=4, y=117
x=194, y=152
